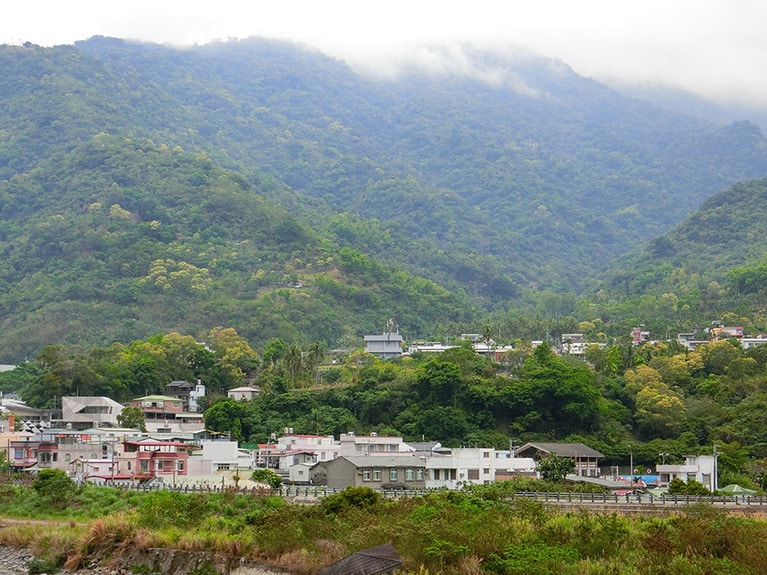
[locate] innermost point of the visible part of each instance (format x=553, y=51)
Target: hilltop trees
x=143, y=367
x=554, y=396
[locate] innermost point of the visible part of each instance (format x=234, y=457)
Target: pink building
x=151, y=458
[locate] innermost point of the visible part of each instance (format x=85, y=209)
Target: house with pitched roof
x=586, y=459
x=377, y=472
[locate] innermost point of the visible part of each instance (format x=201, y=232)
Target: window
x=409, y=474
x=144, y=465
x=180, y=465
x=419, y=474
x=376, y=475
x=485, y=454
x=486, y=471
x=473, y=474
x=393, y=474
x=366, y=475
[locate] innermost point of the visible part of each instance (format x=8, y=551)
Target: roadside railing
x=308, y=492
x=643, y=498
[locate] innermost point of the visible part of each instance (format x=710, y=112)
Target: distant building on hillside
x=387, y=345
x=244, y=393
x=639, y=335
x=84, y=412
x=585, y=458
x=188, y=392
x=726, y=332
x=691, y=340
x=572, y=344
x=749, y=342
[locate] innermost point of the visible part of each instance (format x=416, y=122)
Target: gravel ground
x=14, y=561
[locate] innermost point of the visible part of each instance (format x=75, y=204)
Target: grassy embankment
x=468, y=532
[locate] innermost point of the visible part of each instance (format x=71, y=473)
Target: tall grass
x=448, y=533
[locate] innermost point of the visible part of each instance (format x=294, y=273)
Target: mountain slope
x=538, y=161
x=239, y=169
x=540, y=175
x=120, y=239
x=717, y=243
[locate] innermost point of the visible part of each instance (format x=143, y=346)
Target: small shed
x=371, y=561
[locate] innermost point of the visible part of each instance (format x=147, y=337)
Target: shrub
x=692, y=487
x=555, y=468
x=38, y=565
x=55, y=487
x=351, y=498
x=532, y=559
x=268, y=477
x=164, y=508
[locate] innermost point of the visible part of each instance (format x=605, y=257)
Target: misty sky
x=717, y=48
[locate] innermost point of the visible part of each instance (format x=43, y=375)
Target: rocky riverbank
x=14, y=561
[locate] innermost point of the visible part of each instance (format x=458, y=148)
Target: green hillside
x=148, y=189
x=717, y=243
x=119, y=239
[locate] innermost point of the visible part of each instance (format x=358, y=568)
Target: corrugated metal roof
x=372, y=561
x=561, y=449
x=384, y=460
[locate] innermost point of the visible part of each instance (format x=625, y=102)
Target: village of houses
x=84, y=439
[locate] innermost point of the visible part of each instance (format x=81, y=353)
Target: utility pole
x=715, y=478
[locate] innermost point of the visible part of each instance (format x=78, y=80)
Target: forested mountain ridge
x=522, y=157
x=517, y=175
x=119, y=239
x=721, y=243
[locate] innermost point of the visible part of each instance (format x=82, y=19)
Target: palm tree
x=314, y=356
x=294, y=361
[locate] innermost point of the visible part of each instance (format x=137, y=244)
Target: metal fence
x=312, y=492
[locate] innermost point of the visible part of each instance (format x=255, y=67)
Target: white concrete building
x=386, y=345
x=701, y=468
x=322, y=447
x=572, y=344
x=354, y=445
x=219, y=455
x=87, y=412
x=244, y=393
x=474, y=465
x=749, y=342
